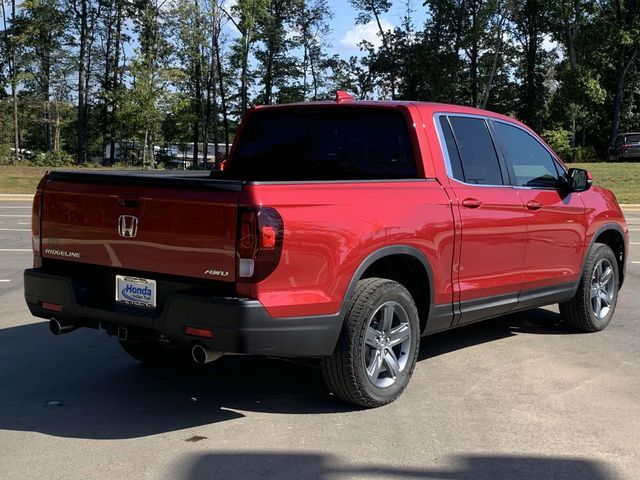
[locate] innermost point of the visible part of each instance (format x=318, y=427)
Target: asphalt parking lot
x=514, y=398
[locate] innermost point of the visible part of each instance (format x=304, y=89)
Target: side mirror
x=579, y=180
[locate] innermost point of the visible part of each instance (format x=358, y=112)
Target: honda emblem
x=128, y=226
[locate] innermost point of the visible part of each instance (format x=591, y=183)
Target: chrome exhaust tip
x=202, y=355
x=58, y=328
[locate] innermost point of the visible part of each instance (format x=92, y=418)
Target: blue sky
x=346, y=34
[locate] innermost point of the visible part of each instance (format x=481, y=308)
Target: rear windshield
x=324, y=144
x=632, y=139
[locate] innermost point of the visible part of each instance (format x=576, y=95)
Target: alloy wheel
x=387, y=344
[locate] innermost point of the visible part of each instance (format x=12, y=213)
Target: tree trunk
x=474, y=55
x=115, y=83
x=268, y=76
x=212, y=108
x=82, y=85
x=145, y=148
x=223, y=104
x=621, y=72
x=198, y=111
x=244, y=77
x=385, y=44
x=314, y=79
x=56, y=137
x=530, y=97
x=494, y=64
x=46, y=86
x=14, y=83
x=107, y=90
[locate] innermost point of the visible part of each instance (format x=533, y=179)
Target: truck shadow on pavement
x=82, y=385
x=314, y=466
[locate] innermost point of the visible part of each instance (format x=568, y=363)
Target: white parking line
x=18, y=216
x=24, y=223
x=7, y=206
x=3, y=280
x=15, y=229
x=15, y=250
x=637, y=263
x=634, y=243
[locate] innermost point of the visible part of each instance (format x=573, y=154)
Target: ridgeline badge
x=62, y=253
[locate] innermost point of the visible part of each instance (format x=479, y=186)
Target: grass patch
x=622, y=178
x=20, y=179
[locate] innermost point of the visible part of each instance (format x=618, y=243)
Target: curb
x=16, y=197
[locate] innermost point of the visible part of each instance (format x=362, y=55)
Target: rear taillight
x=36, y=217
x=259, y=244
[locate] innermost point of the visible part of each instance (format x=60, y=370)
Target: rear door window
x=475, y=150
x=297, y=144
x=532, y=163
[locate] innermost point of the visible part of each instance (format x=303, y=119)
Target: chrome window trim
x=486, y=118
x=445, y=151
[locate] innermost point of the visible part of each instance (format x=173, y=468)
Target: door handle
x=471, y=203
x=534, y=205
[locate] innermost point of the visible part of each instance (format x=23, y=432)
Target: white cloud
x=368, y=32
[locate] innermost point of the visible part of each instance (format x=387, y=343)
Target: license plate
x=139, y=292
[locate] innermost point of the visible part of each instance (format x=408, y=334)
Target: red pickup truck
x=340, y=230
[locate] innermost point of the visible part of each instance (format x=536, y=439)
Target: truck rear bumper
x=239, y=325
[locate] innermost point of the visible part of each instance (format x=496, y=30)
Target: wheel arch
x=402, y=263
x=612, y=235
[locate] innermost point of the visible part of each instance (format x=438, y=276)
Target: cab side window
x=474, y=151
x=532, y=163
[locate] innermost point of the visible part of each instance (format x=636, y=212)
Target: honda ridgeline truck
x=339, y=230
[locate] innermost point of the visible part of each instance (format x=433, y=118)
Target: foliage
x=586, y=155
x=56, y=158
x=559, y=141
x=93, y=75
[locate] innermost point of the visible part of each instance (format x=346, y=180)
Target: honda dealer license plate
x=139, y=292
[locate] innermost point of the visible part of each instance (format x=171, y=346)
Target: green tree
x=247, y=14
x=530, y=23
x=275, y=62
x=624, y=19
x=42, y=28
x=150, y=77
x=313, y=30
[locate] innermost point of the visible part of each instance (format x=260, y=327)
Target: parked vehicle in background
x=339, y=230
x=626, y=147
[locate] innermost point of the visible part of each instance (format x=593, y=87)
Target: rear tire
x=592, y=308
x=154, y=353
x=377, y=350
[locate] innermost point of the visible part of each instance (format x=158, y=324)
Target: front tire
x=378, y=347
x=592, y=308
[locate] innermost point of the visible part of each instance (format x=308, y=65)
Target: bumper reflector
x=199, y=332
x=54, y=307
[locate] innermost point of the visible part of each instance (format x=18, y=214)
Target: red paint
x=342, y=97
x=479, y=241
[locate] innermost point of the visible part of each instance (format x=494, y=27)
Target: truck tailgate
x=171, y=224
